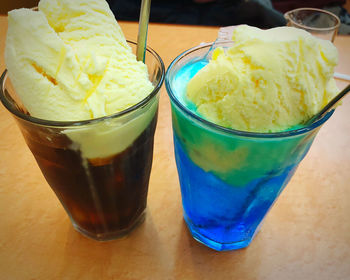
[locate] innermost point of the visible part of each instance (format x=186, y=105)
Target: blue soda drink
x=229, y=179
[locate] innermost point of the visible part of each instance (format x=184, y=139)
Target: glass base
x=108, y=236
x=216, y=245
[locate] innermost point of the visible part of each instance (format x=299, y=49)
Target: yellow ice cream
x=268, y=81
x=70, y=61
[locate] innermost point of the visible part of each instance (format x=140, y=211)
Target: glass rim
x=9, y=106
x=232, y=131
x=316, y=29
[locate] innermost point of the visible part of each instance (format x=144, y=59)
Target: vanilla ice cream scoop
x=268, y=81
x=69, y=61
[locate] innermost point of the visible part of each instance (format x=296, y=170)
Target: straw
x=143, y=27
x=331, y=105
x=342, y=76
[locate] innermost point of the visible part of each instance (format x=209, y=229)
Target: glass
x=318, y=22
x=229, y=179
x=105, y=197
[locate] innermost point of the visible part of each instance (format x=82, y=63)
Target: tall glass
x=99, y=169
x=318, y=22
x=229, y=179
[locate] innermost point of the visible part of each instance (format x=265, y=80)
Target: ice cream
x=70, y=61
x=268, y=81
x=88, y=110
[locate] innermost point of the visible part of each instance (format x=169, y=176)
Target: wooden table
x=305, y=236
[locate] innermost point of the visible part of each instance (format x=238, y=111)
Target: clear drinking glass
x=229, y=179
x=104, y=196
x=318, y=22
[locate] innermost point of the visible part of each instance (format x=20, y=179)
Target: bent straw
x=143, y=27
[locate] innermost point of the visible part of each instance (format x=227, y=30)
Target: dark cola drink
x=99, y=168
x=105, y=197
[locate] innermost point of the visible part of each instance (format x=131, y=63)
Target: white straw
x=143, y=27
x=342, y=76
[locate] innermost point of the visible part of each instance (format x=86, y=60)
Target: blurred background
x=260, y=13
